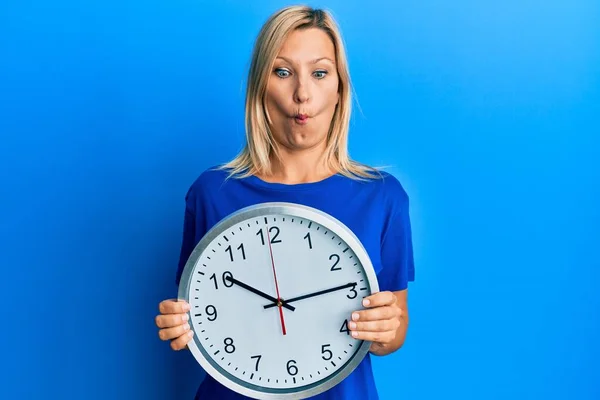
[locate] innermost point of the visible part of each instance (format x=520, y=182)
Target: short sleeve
x=396, y=248
x=191, y=226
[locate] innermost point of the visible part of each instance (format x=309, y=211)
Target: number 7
x=257, y=361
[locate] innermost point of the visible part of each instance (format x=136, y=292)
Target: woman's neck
x=298, y=167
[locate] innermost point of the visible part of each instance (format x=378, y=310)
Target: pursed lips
x=301, y=118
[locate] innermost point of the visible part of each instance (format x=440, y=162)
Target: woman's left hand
x=379, y=323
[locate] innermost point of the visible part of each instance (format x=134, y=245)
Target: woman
x=297, y=116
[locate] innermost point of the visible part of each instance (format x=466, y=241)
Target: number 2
x=333, y=268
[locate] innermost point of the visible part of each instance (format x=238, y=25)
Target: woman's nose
x=301, y=94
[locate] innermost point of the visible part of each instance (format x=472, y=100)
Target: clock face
x=247, y=339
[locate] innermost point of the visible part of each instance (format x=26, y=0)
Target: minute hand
x=258, y=292
x=320, y=292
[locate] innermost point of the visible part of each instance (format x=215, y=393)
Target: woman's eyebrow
x=316, y=60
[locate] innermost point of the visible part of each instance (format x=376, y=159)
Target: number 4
x=344, y=327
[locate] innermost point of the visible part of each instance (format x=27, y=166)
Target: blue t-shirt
x=375, y=210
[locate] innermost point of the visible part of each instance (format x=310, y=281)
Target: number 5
x=324, y=351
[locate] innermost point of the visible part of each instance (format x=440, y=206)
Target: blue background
x=488, y=112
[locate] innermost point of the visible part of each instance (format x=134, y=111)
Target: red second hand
x=276, y=286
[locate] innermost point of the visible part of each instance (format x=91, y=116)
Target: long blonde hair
x=260, y=144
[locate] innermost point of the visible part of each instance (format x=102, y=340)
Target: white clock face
x=233, y=280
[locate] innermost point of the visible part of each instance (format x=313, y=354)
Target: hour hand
x=320, y=292
x=258, y=292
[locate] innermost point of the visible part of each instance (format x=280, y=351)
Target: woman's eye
x=320, y=74
x=282, y=73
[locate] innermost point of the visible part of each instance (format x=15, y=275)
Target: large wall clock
x=272, y=288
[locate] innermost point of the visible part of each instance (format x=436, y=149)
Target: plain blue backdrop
x=488, y=113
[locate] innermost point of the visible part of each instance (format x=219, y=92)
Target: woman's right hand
x=173, y=323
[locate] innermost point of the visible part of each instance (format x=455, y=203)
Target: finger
x=171, y=320
x=387, y=325
x=375, y=314
x=380, y=299
x=173, y=307
x=379, y=337
x=181, y=341
x=174, y=332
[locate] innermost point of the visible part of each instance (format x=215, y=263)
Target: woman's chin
x=298, y=141
x=296, y=137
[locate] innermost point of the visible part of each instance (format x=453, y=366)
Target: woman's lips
x=301, y=119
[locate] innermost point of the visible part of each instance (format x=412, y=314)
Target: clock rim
x=263, y=209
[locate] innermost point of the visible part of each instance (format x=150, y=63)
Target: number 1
x=309, y=241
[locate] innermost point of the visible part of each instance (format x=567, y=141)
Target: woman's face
x=302, y=91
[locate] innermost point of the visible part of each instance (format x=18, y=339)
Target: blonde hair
x=260, y=144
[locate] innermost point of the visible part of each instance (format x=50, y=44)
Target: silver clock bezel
x=264, y=209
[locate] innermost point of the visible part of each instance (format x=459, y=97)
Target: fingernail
x=187, y=327
x=191, y=333
x=355, y=334
x=355, y=316
x=187, y=307
x=185, y=317
x=366, y=302
x=352, y=325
